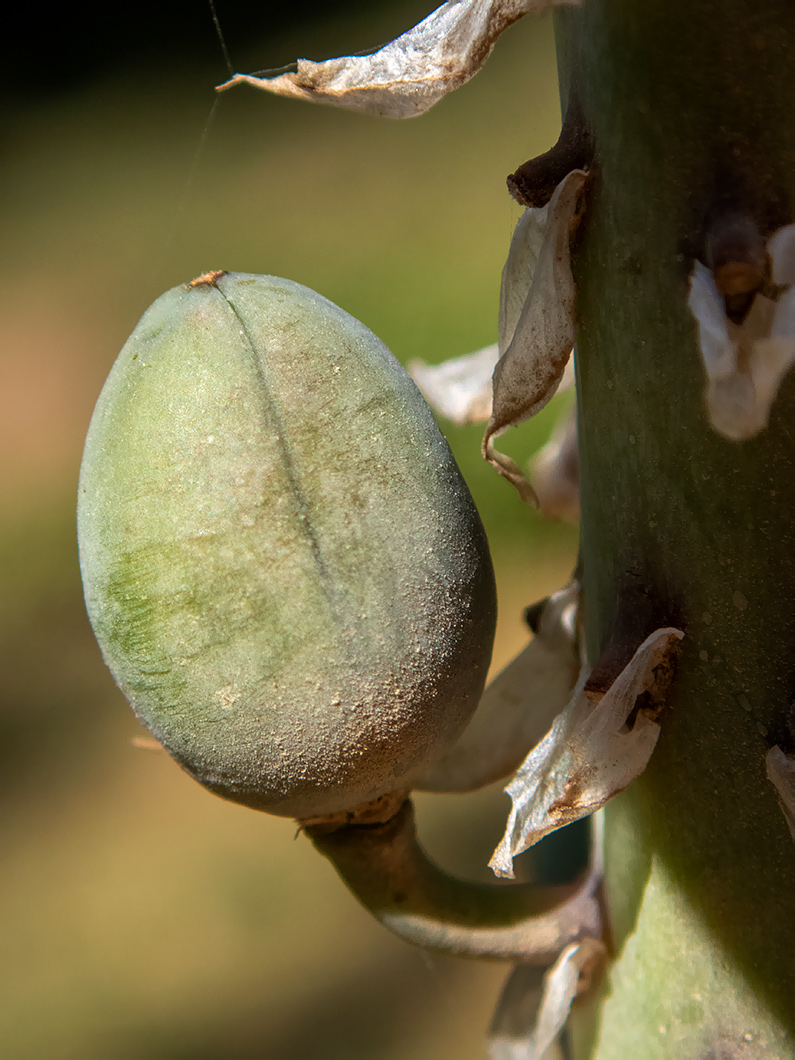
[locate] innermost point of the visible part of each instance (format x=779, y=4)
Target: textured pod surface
x=282, y=564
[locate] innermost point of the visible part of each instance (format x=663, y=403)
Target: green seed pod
x=282, y=564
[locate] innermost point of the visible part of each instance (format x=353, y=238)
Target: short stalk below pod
x=394, y=879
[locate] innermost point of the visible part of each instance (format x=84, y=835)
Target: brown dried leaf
x=518, y=706
x=531, y=368
x=407, y=76
x=588, y=756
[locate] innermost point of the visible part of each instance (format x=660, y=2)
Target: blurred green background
x=141, y=918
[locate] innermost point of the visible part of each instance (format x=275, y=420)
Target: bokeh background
x=142, y=918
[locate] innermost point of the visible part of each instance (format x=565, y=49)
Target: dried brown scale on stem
x=734, y=250
x=534, y=182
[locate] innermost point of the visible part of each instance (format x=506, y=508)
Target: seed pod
x=282, y=564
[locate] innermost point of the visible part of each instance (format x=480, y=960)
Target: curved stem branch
x=391, y=875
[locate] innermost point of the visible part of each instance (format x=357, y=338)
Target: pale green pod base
x=282, y=565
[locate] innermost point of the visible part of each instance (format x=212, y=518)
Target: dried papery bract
x=555, y=472
x=589, y=755
x=746, y=362
x=780, y=769
x=781, y=249
x=533, y=1009
x=462, y=388
x=530, y=370
x=569, y=976
x=408, y=75
x=459, y=388
x=515, y=1018
x=518, y=271
x=518, y=706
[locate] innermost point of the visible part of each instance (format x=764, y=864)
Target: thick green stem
x=690, y=108
x=394, y=879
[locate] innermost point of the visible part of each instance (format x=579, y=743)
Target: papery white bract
x=588, y=756
x=533, y=1010
x=408, y=75
x=746, y=362
x=569, y=976
x=555, y=472
x=780, y=769
x=781, y=248
x=518, y=271
x=531, y=368
x=514, y=1021
x=518, y=706
x=459, y=388
x=542, y=1003
x=535, y=336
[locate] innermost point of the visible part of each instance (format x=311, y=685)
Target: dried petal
x=518, y=271
x=588, y=756
x=410, y=74
x=780, y=769
x=533, y=1009
x=518, y=706
x=514, y=1019
x=530, y=370
x=781, y=248
x=569, y=976
x=459, y=388
x=555, y=472
x=707, y=306
x=746, y=362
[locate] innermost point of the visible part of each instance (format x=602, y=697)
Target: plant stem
x=690, y=107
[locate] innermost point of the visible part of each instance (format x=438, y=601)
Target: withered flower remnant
x=519, y=704
x=594, y=749
x=407, y=76
x=460, y=388
x=745, y=361
x=531, y=368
